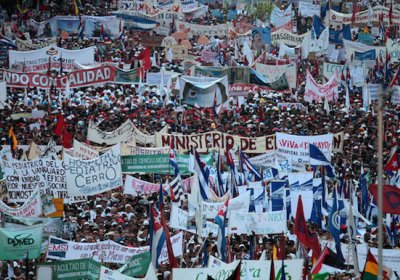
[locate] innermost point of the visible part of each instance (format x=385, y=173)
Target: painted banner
x=104, y=251
x=367, y=55
x=301, y=183
x=76, y=79
x=336, y=18
x=137, y=265
x=220, y=30
x=338, y=141
x=159, y=164
x=286, y=37
x=87, y=269
x=84, y=151
x=38, y=60
x=260, y=223
x=90, y=177
x=392, y=46
x=17, y=243
x=309, y=10
x=279, y=17
x=23, y=177
x=238, y=204
x=204, y=142
x=275, y=72
x=295, y=147
x=259, y=270
x=31, y=208
x=318, y=92
x=356, y=72
x=24, y=45
x=134, y=186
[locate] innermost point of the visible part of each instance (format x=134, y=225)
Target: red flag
x=171, y=258
x=391, y=198
x=60, y=126
x=300, y=227
x=67, y=139
x=393, y=163
x=355, y=10
x=272, y=271
x=145, y=57
x=281, y=252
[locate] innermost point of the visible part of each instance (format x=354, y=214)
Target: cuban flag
x=220, y=220
x=232, y=166
x=248, y=168
x=157, y=237
x=317, y=158
x=220, y=190
x=172, y=159
x=203, y=172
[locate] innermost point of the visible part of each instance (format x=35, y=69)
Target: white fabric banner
x=275, y=72
x=38, y=60
x=259, y=270
x=96, y=135
x=83, y=151
x=391, y=257
x=104, y=251
x=109, y=274
x=286, y=51
x=177, y=242
x=31, y=208
x=3, y=94
x=356, y=72
x=279, y=17
x=191, y=29
x=238, y=204
x=266, y=159
x=309, y=10
x=134, y=186
x=296, y=148
x=301, y=183
x=260, y=223
x=90, y=177
x=318, y=92
x=395, y=95
x=135, y=150
x=286, y=37
x=24, y=177
x=336, y=18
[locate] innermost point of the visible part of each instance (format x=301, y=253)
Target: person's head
x=256, y=35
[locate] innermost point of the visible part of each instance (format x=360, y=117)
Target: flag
x=393, y=163
x=215, y=105
x=220, y=220
x=236, y=273
x=334, y=224
x=282, y=251
x=67, y=139
x=272, y=270
x=391, y=198
x=172, y=159
x=205, y=253
x=220, y=187
x=50, y=148
x=60, y=125
x=49, y=66
x=300, y=227
x=13, y=139
x=283, y=273
x=157, y=236
x=391, y=14
x=176, y=189
x=317, y=158
x=171, y=258
x=160, y=203
x=248, y=167
x=76, y=9
x=145, y=56
x=328, y=262
x=371, y=268
x=203, y=173
x=232, y=166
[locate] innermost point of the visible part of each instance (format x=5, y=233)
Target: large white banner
x=38, y=60
x=24, y=177
x=84, y=151
x=281, y=17
x=309, y=10
x=199, y=30
x=286, y=37
x=104, y=251
x=275, y=72
x=136, y=150
x=336, y=18
x=31, y=208
x=301, y=183
x=296, y=148
x=177, y=244
x=109, y=274
x=238, y=204
x=260, y=223
x=134, y=186
x=259, y=270
x=357, y=71
x=318, y=92
x=90, y=177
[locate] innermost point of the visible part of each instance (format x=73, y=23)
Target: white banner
x=25, y=45
x=83, y=151
x=134, y=186
x=177, y=242
x=356, y=72
x=96, y=135
x=301, y=183
x=391, y=257
x=259, y=270
x=90, y=177
x=395, y=95
x=309, y=10
x=3, y=94
x=318, y=92
x=374, y=91
x=266, y=159
x=336, y=18
x=279, y=17
x=104, y=251
x=275, y=72
x=261, y=223
x=296, y=147
x=135, y=150
x=220, y=30
x=24, y=177
x=38, y=60
x=109, y=274
x=238, y=204
x=288, y=38
x=31, y=208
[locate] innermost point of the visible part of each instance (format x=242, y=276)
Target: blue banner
x=318, y=26
x=366, y=38
x=368, y=55
x=277, y=191
x=231, y=15
x=337, y=36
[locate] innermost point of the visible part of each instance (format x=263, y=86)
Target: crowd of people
x=125, y=218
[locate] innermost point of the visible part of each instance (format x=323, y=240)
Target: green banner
x=51, y=226
x=87, y=269
x=16, y=243
x=137, y=265
x=159, y=164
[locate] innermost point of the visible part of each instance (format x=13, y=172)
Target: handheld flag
x=391, y=198
x=157, y=236
x=248, y=167
x=334, y=224
x=13, y=139
x=393, y=163
x=203, y=174
x=220, y=220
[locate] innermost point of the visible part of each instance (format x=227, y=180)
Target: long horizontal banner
x=159, y=164
x=260, y=223
x=198, y=30
x=104, y=251
x=336, y=18
x=31, y=208
x=204, y=142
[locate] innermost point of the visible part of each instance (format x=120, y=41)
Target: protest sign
x=374, y=91
x=87, y=269
x=90, y=177
x=17, y=243
x=23, y=177
x=264, y=160
x=159, y=164
x=31, y=208
x=286, y=37
x=198, y=30
x=395, y=99
x=109, y=274
x=279, y=17
x=83, y=151
x=260, y=223
x=137, y=265
x=296, y=147
x=275, y=72
x=301, y=183
x=136, y=150
x=39, y=60
x=76, y=79
x=238, y=204
x=96, y=135
x=357, y=71
x=317, y=92
x=338, y=141
x=176, y=242
x=156, y=78
x=308, y=9
x=103, y=251
x=50, y=226
x=179, y=52
x=390, y=257
x=204, y=142
x=134, y=186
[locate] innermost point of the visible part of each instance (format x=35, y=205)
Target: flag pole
x=380, y=184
